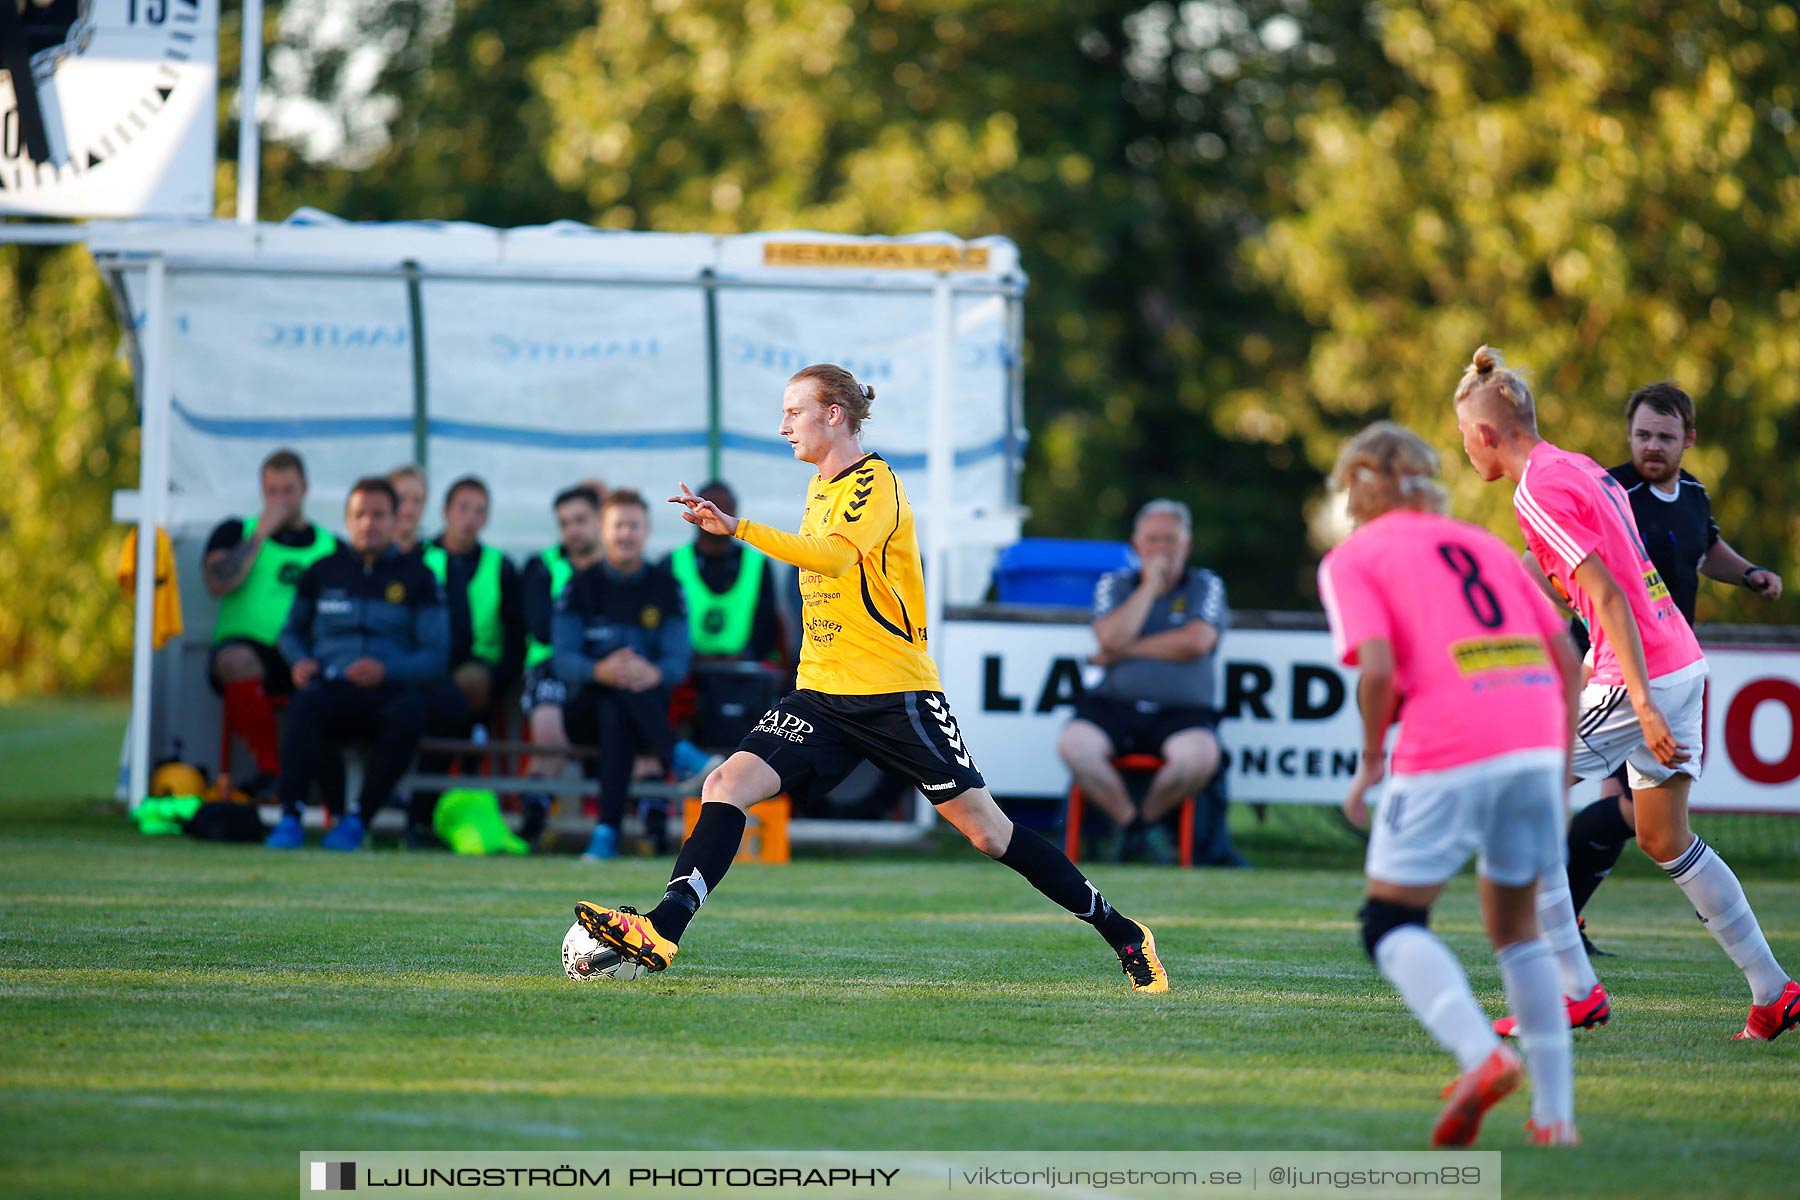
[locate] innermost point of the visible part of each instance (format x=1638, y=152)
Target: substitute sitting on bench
x=620, y=637
x=367, y=629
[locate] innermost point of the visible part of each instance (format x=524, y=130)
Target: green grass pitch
x=181, y=1020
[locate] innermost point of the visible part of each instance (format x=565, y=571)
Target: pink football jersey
x=1470, y=633
x=1569, y=508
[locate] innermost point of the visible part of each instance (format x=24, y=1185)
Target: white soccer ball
x=584, y=959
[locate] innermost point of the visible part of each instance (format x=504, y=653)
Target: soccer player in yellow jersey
x=867, y=689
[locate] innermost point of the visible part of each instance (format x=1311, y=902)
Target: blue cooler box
x=1059, y=571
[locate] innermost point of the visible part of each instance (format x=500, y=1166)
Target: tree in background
x=69, y=434
x=1126, y=148
x=1611, y=195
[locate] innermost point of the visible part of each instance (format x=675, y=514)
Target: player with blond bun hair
x=1446, y=625
x=868, y=689
x=1642, y=705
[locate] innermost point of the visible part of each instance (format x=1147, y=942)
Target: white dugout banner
x=1291, y=730
x=538, y=357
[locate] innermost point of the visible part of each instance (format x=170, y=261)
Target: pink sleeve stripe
x=1548, y=529
x=1558, y=540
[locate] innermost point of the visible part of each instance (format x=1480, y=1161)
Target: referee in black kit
x=1674, y=519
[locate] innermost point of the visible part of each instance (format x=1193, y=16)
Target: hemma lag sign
x=107, y=107
x=1291, y=732
x=868, y=256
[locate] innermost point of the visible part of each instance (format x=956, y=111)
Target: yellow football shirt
x=862, y=584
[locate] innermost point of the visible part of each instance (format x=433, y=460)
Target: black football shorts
x=1142, y=728
x=813, y=740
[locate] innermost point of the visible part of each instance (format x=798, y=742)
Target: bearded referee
x=1674, y=518
x=868, y=690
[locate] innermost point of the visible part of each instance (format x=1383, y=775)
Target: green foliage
x=452, y=129
x=1610, y=194
x=68, y=427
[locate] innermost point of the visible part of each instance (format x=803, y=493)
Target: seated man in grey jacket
x=1158, y=629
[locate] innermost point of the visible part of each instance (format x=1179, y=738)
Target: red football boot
x=1583, y=1014
x=1769, y=1021
x=1474, y=1092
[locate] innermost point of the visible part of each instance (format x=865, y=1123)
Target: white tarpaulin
x=768, y=336
x=533, y=386
x=557, y=354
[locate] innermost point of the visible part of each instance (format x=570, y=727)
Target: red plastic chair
x=1130, y=764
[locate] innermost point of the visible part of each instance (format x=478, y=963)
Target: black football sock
x=1049, y=871
x=702, y=863
x=1598, y=834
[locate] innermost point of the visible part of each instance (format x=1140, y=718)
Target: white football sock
x=1556, y=913
x=1534, y=991
x=1719, y=898
x=1432, y=983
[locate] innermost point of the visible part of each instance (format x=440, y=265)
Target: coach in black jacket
x=367, y=627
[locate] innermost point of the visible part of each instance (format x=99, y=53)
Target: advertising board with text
x=1291, y=731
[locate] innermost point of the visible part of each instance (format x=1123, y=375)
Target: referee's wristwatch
x=1748, y=572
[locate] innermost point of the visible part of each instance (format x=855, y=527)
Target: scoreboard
x=108, y=107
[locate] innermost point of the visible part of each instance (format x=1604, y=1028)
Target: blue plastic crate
x=1057, y=570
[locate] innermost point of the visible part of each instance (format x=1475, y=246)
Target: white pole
x=153, y=503
x=249, y=155
x=940, y=458
x=940, y=468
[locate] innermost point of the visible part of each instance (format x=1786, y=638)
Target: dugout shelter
x=534, y=358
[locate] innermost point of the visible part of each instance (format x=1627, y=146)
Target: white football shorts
x=1608, y=732
x=1508, y=810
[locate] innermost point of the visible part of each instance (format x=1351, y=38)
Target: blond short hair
x=1385, y=467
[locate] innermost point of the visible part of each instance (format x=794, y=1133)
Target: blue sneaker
x=347, y=834
x=687, y=759
x=604, y=843
x=288, y=835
